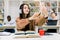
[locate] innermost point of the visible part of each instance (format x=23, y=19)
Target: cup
x=41, y=32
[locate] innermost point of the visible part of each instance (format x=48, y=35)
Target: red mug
x=41, y=32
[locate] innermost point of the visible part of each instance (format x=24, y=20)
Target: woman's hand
x=43, y=9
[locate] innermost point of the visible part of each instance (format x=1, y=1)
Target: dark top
x=27, y=26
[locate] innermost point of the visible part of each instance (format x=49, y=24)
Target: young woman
x=23, y=20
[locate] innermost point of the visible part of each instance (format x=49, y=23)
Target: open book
x=27, y=34
x=24, y=32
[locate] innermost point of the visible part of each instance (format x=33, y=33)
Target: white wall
x=6, y=9
x=11, y=7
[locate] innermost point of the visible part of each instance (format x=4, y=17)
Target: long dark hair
x=22, y=15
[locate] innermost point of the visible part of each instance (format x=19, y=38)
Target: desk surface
x=55, y=36
x=49, y=26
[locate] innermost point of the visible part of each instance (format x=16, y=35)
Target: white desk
x=55, y=36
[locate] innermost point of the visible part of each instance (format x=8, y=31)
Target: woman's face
x=26, y=9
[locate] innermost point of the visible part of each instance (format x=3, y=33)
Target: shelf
x=6, y=27
x=1, y=19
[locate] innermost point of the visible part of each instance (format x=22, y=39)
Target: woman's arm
x=34, y=16
x=43, y=9
x=21, y=23
x=40, y=17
